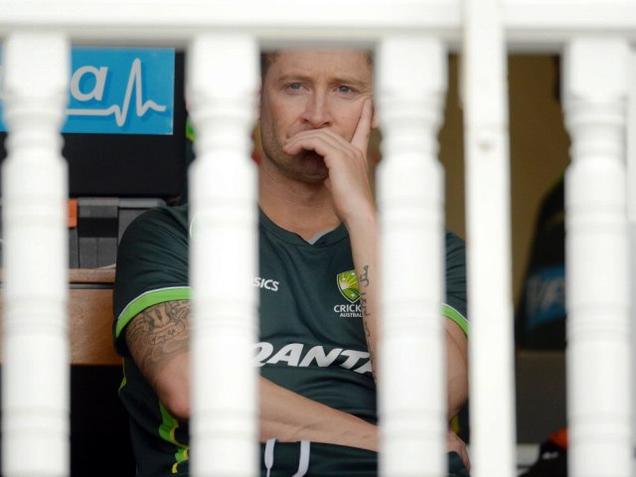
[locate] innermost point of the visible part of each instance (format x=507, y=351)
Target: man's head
x=311, y=89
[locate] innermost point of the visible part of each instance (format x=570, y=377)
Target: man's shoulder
x=166, y=215
x=455, y=245
x=159, y=219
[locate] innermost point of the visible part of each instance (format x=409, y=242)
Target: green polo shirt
x=311, y=336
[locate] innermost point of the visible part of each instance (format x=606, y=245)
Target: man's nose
x=317, y=112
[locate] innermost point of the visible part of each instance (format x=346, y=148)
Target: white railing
x=488, y=236
x=411, y=38
x=411, y=199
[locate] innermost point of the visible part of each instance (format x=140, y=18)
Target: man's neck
x=305, y=209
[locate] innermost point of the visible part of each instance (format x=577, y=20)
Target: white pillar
x=35, y=371
x=631, y=214
x=488, y=238
x=411, y=78
x=223, y=78
x=598, y=354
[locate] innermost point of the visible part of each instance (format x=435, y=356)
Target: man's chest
x=310, y=311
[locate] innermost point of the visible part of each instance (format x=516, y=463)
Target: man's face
x=311, y=89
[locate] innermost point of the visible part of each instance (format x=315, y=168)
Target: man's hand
x=353, y=202
x=455, y=444
x=348, y=179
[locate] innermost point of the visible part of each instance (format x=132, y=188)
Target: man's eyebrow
x=358, y=83
x=337, y=80
x=294, y=77
x=352, y=81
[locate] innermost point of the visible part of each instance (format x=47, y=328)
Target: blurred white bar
x=631, y=217
x=596, y=74
x=222, y=85
x=485, y=98
x=411, y=79
x=530, y=25
x=35, y=351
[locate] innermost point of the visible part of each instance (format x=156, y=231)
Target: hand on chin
x=313, y=164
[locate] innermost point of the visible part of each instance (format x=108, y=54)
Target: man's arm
x=352, y=196
x=353, y=201
x=363, y=235
x=158, y=339
x=457, y=382
x=457, y=367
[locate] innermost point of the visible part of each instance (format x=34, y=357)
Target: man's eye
x=293, y=86
x=344, y=89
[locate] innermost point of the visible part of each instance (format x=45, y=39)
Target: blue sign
x=120, y=91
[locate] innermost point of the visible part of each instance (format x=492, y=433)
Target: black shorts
x=314, y=459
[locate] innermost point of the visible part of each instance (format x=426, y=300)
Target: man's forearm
x=283, y=414
x=290, y=417
x=457, y=367
x=364, y=242
x=158, y=341
x=363, y=233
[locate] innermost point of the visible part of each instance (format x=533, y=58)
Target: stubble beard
x=306, y=166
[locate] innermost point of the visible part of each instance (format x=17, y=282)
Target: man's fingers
x=455, y=444
x=329, y=137
x=363, y=129
x=312, y=136
x=316, y=144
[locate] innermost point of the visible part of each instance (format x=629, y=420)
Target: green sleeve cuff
x=454, y=315
x=148, y=299
x=189, y=130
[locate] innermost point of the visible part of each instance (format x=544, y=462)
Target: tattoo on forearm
x=159, y=333
x=367, y=332
x=364, y=281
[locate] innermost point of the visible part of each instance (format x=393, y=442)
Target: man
x=318, y=240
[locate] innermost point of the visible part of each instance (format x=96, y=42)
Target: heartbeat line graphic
x=121, y=113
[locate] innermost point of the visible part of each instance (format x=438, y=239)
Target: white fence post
x=35, y=395
x=411, y=78
x=631, y=215
x=222, y=84
x=598, y=353
x=485, y=98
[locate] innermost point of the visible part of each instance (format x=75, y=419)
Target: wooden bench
x=100, y=440
x=91, y=317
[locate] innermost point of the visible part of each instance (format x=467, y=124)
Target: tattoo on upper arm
x=157, y=334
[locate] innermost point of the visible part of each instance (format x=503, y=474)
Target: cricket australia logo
x=348, y=287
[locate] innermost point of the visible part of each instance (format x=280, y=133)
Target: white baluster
x=222, y=84
x=488, y=239
x=35, y=395
x=411, y=77
x=597, y=261
x=631, y=214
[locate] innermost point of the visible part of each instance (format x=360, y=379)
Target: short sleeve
x=455, y=306
x=152, y=266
